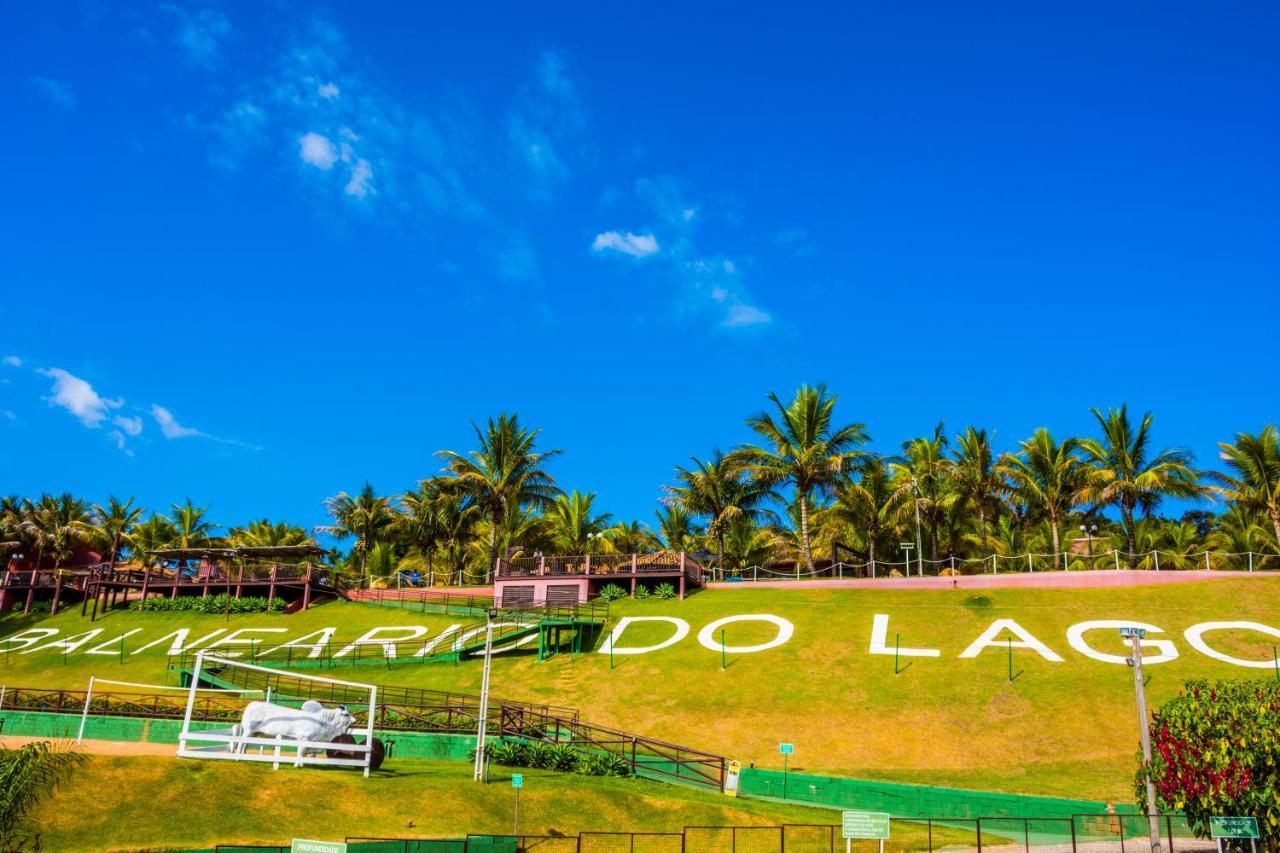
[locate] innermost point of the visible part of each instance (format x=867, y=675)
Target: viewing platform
x=523, y=581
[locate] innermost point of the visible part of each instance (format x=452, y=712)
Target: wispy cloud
x=78, y=397
x=169, y=426
x=56, y=91
x=12, y=361
x=548, y=127
x=741, y=315
x=199, y=34
x=635, y=245
x=129, y=426
x=797, y=241
x=316, y=150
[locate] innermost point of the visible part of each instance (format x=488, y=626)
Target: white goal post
x=93, y=680
x=228, y=744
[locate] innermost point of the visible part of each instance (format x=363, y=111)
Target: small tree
x=1216, y=751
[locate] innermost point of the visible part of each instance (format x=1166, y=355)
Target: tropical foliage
x=808, y=491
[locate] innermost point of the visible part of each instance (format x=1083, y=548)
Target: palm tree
x=115, y=523
x=155, y=534
x=629, y=537
x=1123, y=471
x=420, y=523
x=1239, y=531
x=675, y=526
x=806, y=450
x=923, y=473
x=264, y=534
x=367, y=517
x=62, y=522
x=1045, y=477
x=1255, y=480
x=717, y=490
x=575, y=527
x=749, y=545
x=503, y=474
x=868, y=503
x=193, y=530
x=976, y=478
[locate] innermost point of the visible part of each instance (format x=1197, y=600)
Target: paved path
x=97, y=747
x=1032, y=580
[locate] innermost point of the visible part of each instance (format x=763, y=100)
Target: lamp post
x=915, y=487
x=1090, y=530
x=1135, y=637
x=490, y=615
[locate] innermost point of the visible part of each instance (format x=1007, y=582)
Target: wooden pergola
x=235, y=570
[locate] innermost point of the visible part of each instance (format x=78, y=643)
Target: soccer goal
x=295, y=734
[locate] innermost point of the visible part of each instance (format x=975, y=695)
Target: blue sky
x=259, y=253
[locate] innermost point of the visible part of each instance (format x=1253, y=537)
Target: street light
x=915, y=487
x=490, y=615
x=1089, y=532
x=1135, y=637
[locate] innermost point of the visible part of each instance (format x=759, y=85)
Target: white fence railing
x=1111, y=558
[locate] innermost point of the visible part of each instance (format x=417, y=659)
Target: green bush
x=602, y=764
x=612, y=592
x=642, y=591
x=220, y=603
x=664, y=591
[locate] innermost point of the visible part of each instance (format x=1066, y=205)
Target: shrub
x=220, y=603
x=602, y=764
x=642, y=591
x=613, y=592
x=511, y=753
x=664, y=591
x=1216, y=751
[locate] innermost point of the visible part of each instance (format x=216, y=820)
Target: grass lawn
x=1065, y=729
x=148, y=803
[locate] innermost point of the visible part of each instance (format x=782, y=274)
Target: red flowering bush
x=1216, y=751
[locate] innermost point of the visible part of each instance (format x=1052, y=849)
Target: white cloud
x=361, y=177
x=12, y=361
x=130, y=426
x=78, y=397
x=635, y=245
x=547, y=127
x=10, y=415
x=169, y=426
x=741, y=315
x=200, y=34
x=56, y=91
x=318, y=151
x=328, y=91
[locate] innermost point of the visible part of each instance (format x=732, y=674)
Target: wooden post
x=635, y=563
x=31, y=592
x=587, y=568
x=271, y=589
x=633, y=585
x=682, y=581
x=146, y=580
x=57, y=593
x=306, y=588
x=239, y=578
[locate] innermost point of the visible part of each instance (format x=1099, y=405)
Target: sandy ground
x=1032, y=580
x=99, y=747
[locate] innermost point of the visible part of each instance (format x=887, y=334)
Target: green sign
x=865, y=824
x=786, y=748
x=517, y=780
x=1233, y=827
x=303, y=845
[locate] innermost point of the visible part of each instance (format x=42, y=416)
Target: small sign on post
x=786, y=749
x=517, y=782
x=304, y=845
x=1234, y=827
x=864, y=825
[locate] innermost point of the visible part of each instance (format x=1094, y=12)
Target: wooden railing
x=601, y=565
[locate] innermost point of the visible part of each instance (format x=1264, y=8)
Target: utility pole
x=484, y=694
x=1135, y=637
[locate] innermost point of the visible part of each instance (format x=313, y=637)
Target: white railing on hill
x=1113, y=558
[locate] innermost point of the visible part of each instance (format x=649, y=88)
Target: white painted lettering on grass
x=28, y=638
x=179, y=644
x=111, y=647
x=709, y=636
x=1195, y=636
x=69, y=645
x=239, y=637
x=1025, y=641
x=1167, y=651
x=880, y=646
x=681, y=631
x=374, y=637
x=316, y=646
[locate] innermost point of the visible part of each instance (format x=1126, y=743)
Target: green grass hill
x=1058, y=728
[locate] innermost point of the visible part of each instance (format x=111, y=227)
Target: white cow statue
x=312, y=722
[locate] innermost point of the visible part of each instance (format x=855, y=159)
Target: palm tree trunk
x=982, y=525
x=1274, y=512
x=720, y=551
x=804, y=535
x=1057, y=546
x=496, y=517
x=1126, y=513
x=871, y=545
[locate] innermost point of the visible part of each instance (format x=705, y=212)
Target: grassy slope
x=200, y=803
x=1060, y=728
